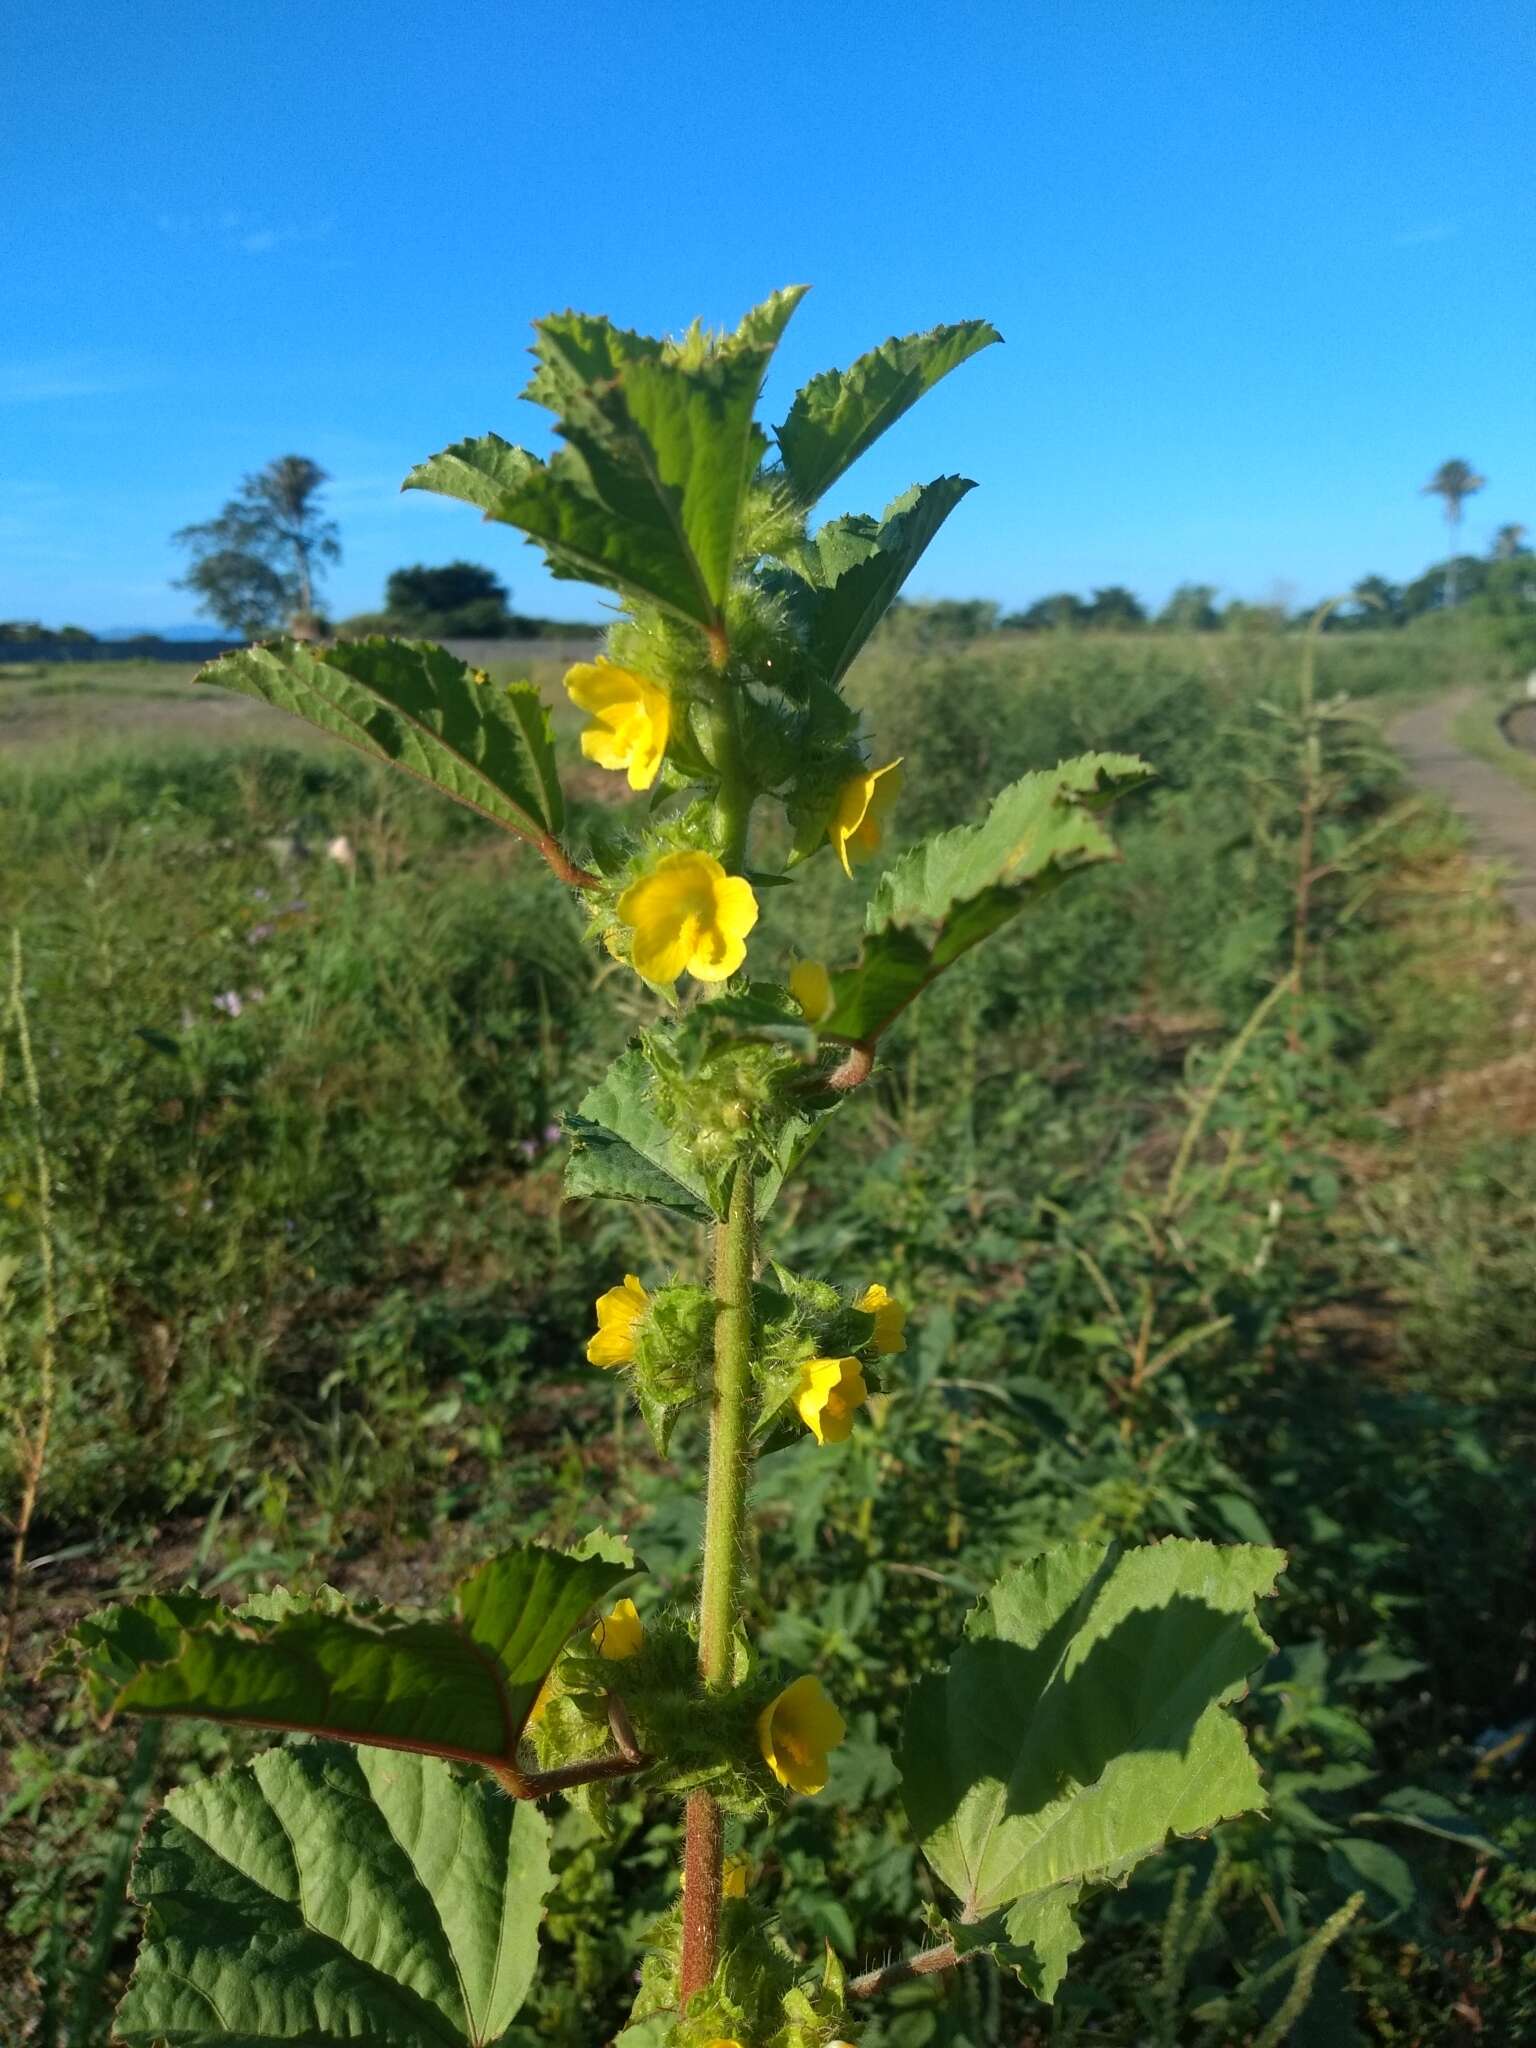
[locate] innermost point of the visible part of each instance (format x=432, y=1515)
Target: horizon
x=1247, y=312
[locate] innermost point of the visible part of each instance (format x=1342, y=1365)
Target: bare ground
x=1500, y=813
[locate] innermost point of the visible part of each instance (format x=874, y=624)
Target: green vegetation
x=1206, y=1182
x=320, y=1314
x=1477, y=729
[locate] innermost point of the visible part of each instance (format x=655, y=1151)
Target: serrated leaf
x=460, y=1687
x=842, y=412
x=690, y=434
x=573, y=351
x=661, y=445
x=1046, y=823
x=960, y=886
x=635, y=549
x=1081, y=1723
x=861, y=565
x=324, y=1895
x=419, y=708
x=622, y=1151
x=481, y=471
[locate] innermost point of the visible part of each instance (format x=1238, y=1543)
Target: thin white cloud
x=1421, y=237
x=246, y=232
x=54, y=377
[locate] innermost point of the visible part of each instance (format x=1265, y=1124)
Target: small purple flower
x=260, y=895
x=526, y=1148
x=259, y=933
x=229, y=1003
x=553, y=1134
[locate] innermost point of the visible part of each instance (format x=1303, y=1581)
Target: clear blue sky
x=1259, y=269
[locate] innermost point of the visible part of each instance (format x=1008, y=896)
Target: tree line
x=257, y=567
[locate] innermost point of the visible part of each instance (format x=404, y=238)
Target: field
x=1185, y=1255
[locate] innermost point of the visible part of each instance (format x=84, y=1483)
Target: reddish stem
x=562, y=864
x=703, y=1874
x=855, y=1070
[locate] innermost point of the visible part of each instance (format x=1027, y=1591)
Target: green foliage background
x=315, y=1279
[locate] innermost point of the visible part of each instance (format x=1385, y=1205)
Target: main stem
x=724, y=1523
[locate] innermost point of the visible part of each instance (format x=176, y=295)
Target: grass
x=322, y=1314
x=76, y=707
x=1477, y=730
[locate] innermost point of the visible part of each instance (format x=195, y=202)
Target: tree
x=461, y=600
x=1453, y=482
x=1377, y=603
x=1051, y=614
x=1243, y=616
x=1443, y=584
x=257, y=564
x=1509, y=542
x=1191, y=609
x=1115, y=609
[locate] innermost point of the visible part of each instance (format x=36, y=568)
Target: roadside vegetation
x=1228, y=1230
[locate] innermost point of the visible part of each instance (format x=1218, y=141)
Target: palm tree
x=1453, y=481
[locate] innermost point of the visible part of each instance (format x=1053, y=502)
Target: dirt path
x=1499, y=811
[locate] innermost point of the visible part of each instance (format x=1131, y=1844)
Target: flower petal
x=811, y=986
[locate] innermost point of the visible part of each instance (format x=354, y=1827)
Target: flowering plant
x=366, y=1885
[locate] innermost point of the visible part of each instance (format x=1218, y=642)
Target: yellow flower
x=620, y=1633
x=688, y=915
x=735, y=1875
x=721, y=2042
x=631, y=717
x=811, y=986
x=862, y=804
x=890, y=1319
x=830, y=1390
x=551, y=1689
x=618, y=1311
x=796, y=1732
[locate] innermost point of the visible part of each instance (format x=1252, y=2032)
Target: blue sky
x=1259, y=269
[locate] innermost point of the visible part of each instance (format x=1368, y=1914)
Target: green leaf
x=574, y=351
x=1038, y=829
x=1356, y=1864
x=863, y=565
x=635, y=548
x=1079, y=1725
x=1429, y=1813
x=842, y=412
x=324, y=1895
x=662, y=445
x=482, y=472
x=763, y=1010
x=417, y=707
x=621, y=1151
x=972, y=880
x=460, y=1687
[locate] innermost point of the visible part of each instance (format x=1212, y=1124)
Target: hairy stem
x=925, y=1964
x=724, y=1521
x=733, y=793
